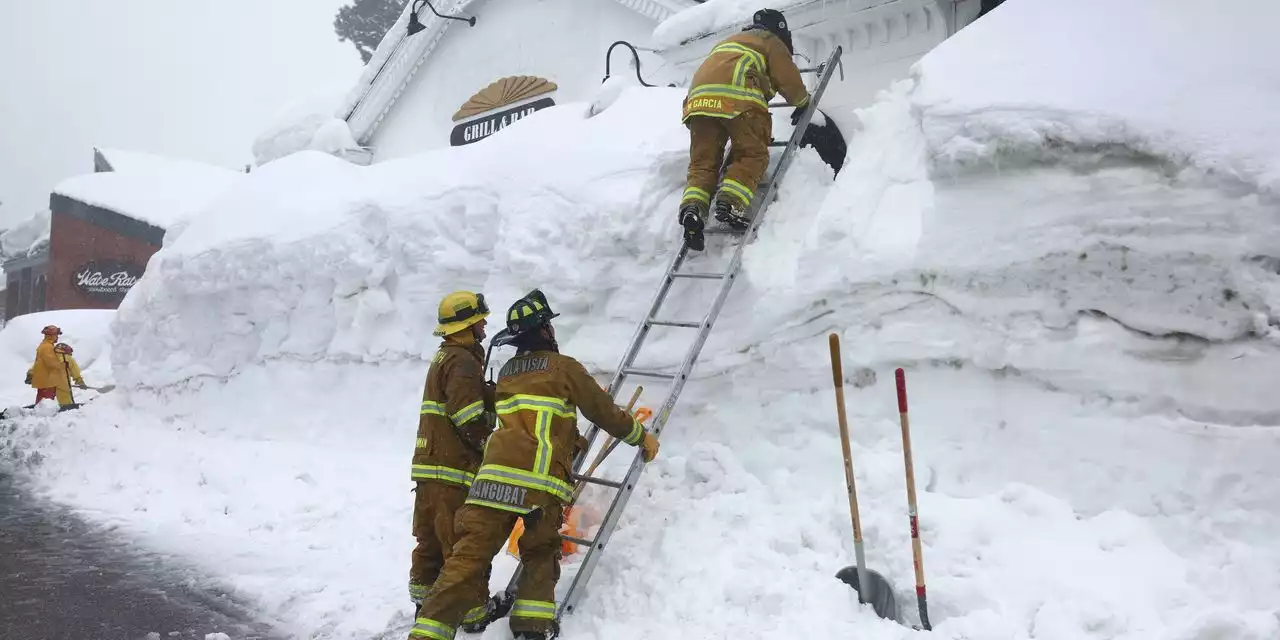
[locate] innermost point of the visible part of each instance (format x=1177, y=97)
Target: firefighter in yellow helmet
x=728, y=102
x=453, y=426
x=525, y=474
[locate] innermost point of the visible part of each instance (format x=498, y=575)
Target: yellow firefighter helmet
x=460, y=310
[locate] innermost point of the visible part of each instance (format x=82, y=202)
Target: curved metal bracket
x=634, y=54
x=415, y=25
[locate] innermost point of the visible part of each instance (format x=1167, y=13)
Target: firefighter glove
x=650, y=446
x=795, y=115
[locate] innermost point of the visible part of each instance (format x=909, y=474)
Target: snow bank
x=156, y=190
x=1085, y=73
x=311, y=257
x=710, y=17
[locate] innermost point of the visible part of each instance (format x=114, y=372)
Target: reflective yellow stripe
x=445, y=474
x=694, y=193
x=738, y=189
x=542, y=458
x=430, y=407
x=529, y=402
x=728, y=91
x=421, y=444
x=637, y=433
x=539, y=609
x=468, y=413
x=498, y=505
x=428, y=628
x=527, y=479
x=474, y=615
x=747, y=52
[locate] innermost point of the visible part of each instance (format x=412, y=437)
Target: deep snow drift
x=1088, y=323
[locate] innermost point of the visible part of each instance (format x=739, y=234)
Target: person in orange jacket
x=48, y=367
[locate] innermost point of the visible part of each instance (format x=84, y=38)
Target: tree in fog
x=364, y=22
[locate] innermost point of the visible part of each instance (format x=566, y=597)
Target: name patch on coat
x=518, y=366
x=497, y=492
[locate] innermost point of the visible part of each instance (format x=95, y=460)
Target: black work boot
x=552, y=632
x=497, y=606
x=693, y=219
x=728, y=212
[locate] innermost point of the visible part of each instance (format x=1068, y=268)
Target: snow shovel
x=872, y=587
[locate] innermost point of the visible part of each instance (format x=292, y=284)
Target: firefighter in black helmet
x=525, y=474
x=728, y=102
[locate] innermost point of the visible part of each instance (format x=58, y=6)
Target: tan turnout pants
x=750, y=133
x=434, y=506
x=463, y=583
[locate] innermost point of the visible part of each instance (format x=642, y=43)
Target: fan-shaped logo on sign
x=498, y=105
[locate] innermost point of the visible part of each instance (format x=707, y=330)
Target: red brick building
x=103, y=229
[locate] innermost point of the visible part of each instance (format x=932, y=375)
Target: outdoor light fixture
x=415, y=25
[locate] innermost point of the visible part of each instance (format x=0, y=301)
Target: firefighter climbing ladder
x=764, y=196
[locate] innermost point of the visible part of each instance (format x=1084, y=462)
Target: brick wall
x=82, y=233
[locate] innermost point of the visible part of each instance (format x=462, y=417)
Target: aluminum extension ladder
x=765, y=195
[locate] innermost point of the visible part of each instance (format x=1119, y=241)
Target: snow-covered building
x=101, y=228
x=454, y=72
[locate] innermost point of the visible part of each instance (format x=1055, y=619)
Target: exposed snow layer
x=25, y=238
x=710, y=17
x=156, y=190
x=1090, y=338
x=1092, y=72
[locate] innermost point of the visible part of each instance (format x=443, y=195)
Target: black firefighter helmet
x=771, y=20
x=529, y=313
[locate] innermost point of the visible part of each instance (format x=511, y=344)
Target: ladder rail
x=628, y=357
x=605, y=532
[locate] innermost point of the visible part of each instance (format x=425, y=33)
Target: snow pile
x=1090, y=338
x=359, y=256
x=159, y=191
x=1196, y=91
x=27, y=238
x=711, y=17
x=307, y=124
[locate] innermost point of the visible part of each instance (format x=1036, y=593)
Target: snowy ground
x=1088, y=327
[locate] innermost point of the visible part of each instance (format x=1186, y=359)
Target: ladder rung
x=778, y=105
x=723, y=231
x=778, y=143
x=696, y=274
x=650, y=374
x=582, y=541
x=675, y=323
x=595, y=480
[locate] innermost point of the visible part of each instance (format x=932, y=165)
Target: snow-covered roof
x=398, y=58
x=713, y=16
x=25, y=239
x=156, y=190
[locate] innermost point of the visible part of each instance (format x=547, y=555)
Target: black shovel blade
x=878, y=593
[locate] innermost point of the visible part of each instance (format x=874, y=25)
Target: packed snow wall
x=1078, y=274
